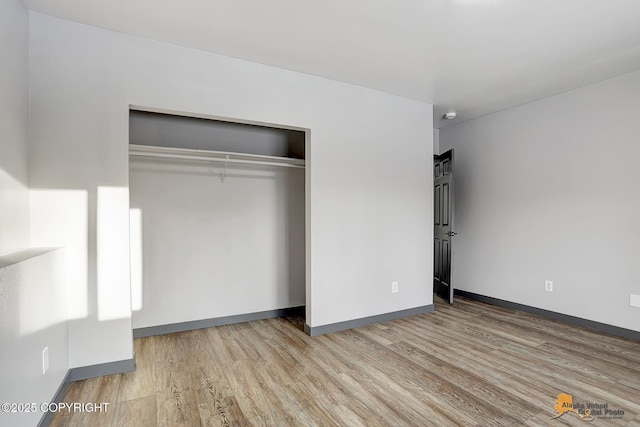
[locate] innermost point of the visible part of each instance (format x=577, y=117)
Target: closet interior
x=217, y=219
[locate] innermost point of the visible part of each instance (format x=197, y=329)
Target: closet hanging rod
x=213, y=156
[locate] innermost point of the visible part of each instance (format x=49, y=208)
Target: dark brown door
x=443, y=225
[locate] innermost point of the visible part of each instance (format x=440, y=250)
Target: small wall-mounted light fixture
x=450, y=115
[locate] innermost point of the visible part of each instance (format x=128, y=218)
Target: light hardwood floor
x=464, y=365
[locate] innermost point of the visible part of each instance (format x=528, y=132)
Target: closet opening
x=217, y=212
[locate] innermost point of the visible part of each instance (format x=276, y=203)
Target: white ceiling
x=471, y=56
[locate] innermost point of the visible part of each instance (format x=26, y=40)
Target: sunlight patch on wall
x=43, y=296
x=59, y=218
x=114, y=291
x=135, y=248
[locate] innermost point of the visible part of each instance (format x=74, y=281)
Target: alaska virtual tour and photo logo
x=587, y=411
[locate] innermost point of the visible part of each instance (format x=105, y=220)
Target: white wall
x=214, y=248
x=549, y=190
x=369, y=176
x=33, y=289
x=14, y=127
x=33, y=315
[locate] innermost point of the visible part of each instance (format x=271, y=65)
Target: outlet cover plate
x=548, y=285
x=634, y=300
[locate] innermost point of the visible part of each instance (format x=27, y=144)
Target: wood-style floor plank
x=136, y=412
x=467, y=364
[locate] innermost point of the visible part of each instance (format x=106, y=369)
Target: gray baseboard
x=216, y=321
x=109, y=368
x=364, y=321
x=82, y=373
x=47, y=417
x=577, y=321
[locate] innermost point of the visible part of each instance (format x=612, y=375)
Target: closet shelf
x=213, y=156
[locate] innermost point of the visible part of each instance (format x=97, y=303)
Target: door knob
x=450, y=233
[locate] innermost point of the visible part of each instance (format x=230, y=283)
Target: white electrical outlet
x=634, y=300
x=394, y=287
x=45, y=360
x=548, y=285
